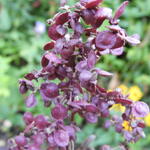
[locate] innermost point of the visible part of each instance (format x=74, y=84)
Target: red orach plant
x=71, y=56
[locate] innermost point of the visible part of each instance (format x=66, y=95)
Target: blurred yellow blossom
x=126, y=126
x=135, y=93
x=118, y=107
x=124, y=89
x=147, y=120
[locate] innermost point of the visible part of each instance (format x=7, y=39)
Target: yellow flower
x=135, y=93
x=109, y=90
x=126, y=126
x=147, y=120
x=124, y=89
x=118, y=107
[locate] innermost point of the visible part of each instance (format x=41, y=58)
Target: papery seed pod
x=38, y=139
x=49, y=46
x=85, y=75
x=28, y=118
x=33, y=147
x=31, y=101
x=90, y=3
x=61, y=137
x=53, y=32
x=105, y=147
x=105, y=40
x=61, y=18
x=51, y=140
x=88, y=16
x=71, y=131
x=140, y=109
x=59, y=112
x=30, y=76
x=91, y=60
x=120, y=10
x=49, y=90
x=107, y=124
x=40, y=121
x=23, y=89
x=82, y=65
x=20, y=140
x=91, y=117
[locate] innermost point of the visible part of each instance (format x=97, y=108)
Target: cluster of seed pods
x=76, y=45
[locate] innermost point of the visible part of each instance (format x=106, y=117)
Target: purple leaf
x=88, y=16
x=50, y=58
x=91, y=117
x=120, y=10
x=30, y=76
x=62, y=18
x=103, y=13
x=132, y=40
x=61, y=137
x=140, y=109
x=53, y=33
x=61, y=30
x=31, y=101
x=104, y=52
x=90, y=3
x=102, y=72
x=49, y=90
x=115, y=28
x=82, y=65
x=117, y=51
x=85, y=75
x=48, y=46
x=105, y=40
x=59, y=112
x=91, y=60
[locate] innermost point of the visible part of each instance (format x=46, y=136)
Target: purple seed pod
x=61, y=137
x=71, y=131
x=120, y=10
x=107, y=124
x=38, y=139
x=49, y=90
x=20, y=140
x=85, y=76
x=90, y=3
x=31, y=101
x=91, y=60
x=23, y=88
x=51, y=140
x=105, y=147
x=49, y=46
x=40, y=121
x=91, y=117
x=33, y=147
x=55, y=32
x=59, y=112
x=28, y=118
x=140, y=109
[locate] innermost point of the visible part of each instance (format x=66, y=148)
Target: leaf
x=31, y=101
x=103, y=72
x=132, y=40
x=117, y=51
x=91, y=60
x=120, y=10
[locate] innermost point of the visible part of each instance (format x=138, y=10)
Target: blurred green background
x=22, y=36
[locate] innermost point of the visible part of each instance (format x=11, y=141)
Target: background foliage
x=21, y=49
